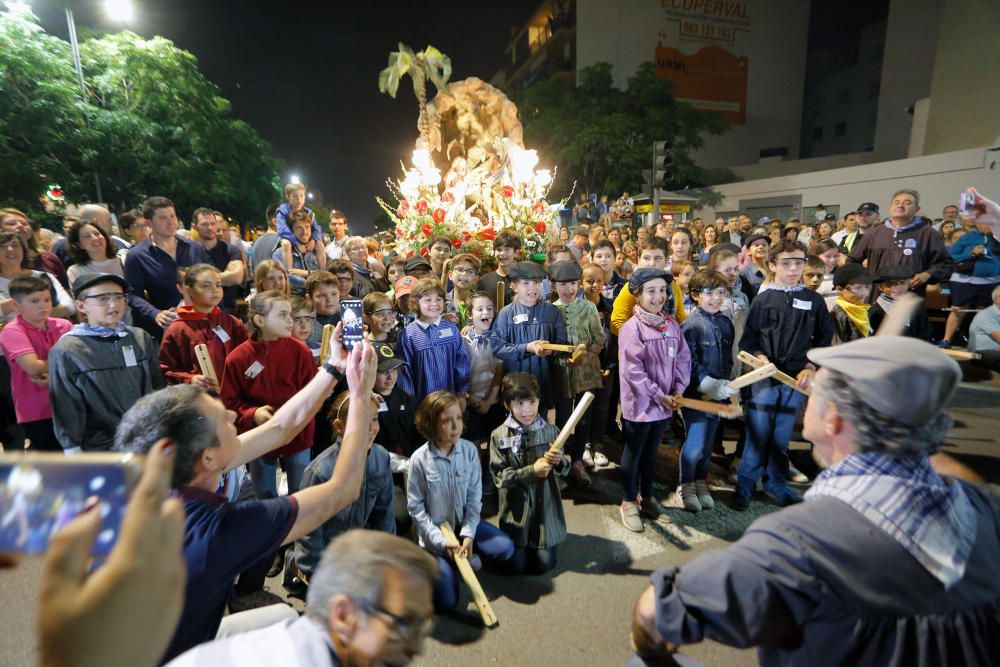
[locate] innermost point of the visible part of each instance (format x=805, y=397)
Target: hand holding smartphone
x=352, y=314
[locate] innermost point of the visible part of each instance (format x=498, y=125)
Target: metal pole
x=71, y=24
x=656, y=189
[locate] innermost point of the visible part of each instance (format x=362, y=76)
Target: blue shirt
x=445, y=488
x=436, y=358
x=516, y=326
x=152, y=275
x=985, y=322
x=372, y=509
x=222, y=539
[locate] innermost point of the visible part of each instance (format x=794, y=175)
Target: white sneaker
x=588, y=457
x=600, y=460
x=795, y=475
x=630, y=516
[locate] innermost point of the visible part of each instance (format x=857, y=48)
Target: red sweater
x=288, y=366
x=177, y=358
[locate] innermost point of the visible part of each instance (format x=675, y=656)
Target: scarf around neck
x=857, y=313
x=658, y=321
x=928, y=516
x=96, y=330
x=516, y=441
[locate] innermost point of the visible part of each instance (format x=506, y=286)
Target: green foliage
x=157, y=126
x=602, y=137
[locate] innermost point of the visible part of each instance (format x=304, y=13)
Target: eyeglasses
x=464, y=272
x=409, y=628
x=718, y=291
x=107, y=298
x=382, y=312
x=859, y=289
x=302, y=319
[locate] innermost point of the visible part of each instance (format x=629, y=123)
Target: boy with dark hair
x=26, y=342
x=892, y=283
x=463, y=275
x=814, y=273
x=506, y=247
x=603, y=255
x=850, y=310
x=524, y=325
x=438, y=252
x=100, y=368
x=785, y=321
x=344, y=271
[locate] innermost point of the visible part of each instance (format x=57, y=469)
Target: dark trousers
x=528, y=560
x=11, y=433
x=42, y=436
x=642, y=439
x=491, y=543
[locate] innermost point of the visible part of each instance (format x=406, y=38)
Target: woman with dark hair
x=15, y=261
x=709, y=239
x=681, y=243
x=14, y=221
x=92, y=251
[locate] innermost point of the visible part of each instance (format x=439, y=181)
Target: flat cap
x=902, y=378
x=417, y=262
x=753, y=238
x=852, y=274
x=642, y=276
x=565, y=272
x=526, y=271
x=896, y=272
x=91, y=279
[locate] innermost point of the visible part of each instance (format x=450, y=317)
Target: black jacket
x=785, y=325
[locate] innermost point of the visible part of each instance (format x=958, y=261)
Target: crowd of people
x=448, y=409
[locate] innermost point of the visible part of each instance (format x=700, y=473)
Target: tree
x=602, y=137
x=427, y=64
x=157, y=126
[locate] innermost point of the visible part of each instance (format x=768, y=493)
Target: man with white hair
x=886, y=563
x=369, y=603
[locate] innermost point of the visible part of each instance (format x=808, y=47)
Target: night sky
x=305, y=74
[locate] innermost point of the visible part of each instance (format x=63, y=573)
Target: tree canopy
x=156, y=126
x=602, y=137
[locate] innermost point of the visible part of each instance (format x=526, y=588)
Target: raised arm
x=319, y=503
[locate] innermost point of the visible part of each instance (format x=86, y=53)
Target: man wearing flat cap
x=886, y=563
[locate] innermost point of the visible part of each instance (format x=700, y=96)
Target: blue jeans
x=697, y=450
x=642, y=439
x=491, y=543
x=264, y=469
x=770, y=418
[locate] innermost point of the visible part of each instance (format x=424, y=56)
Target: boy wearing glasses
x=463, y=276
x=785, y=321
x=100, y=368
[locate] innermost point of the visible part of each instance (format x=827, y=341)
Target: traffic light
x=663, y=162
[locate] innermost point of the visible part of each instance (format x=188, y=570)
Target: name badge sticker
x=672, y=351
x=520, y=319
x=383, y=407
x=444, y=333
x=802, y=305
x=254, y=370
x=129, y=353
x=221, y=333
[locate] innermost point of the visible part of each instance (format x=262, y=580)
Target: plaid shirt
x=929, y=517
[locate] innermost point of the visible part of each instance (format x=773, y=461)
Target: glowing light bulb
x=543, y=177
x=421, y=159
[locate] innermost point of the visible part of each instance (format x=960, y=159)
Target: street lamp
x=118, y=10
x=295, y=178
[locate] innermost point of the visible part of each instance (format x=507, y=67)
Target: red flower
x=401, y=212
x=424, y=252
x=421, y=207
x=538, y=208
x=457, y=243
x=467, y=236
x=427, y=229
x=409, y=254
x=399, y=232
x=404, y=205
x=439, y=214
x=507, y=191
x=447, y=197
x=488, y=234
x=540, y=227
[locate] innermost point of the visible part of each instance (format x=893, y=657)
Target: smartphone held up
x=41, y=493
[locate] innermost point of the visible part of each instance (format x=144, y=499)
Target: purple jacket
x=652, y=364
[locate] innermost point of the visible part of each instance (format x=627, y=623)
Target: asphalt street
x=579, y=614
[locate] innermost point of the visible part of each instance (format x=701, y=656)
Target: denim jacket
x=445, y=488
x=710, y=339
x=372, y=509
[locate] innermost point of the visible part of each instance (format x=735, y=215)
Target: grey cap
x=565, y=272
x=526, y=271
x=903, y=378
x=89, y=280
x=643, y=275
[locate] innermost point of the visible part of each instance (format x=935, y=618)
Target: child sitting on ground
x=445, y=486
x=26, y=342
x=200, y=323
x=575, y=377
x=850, y=310
x=524, y=469
x=655, y=368
x=709, y=334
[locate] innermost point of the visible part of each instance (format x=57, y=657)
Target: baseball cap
x=867, y=207
x=416, y=262
x=405, y=285
x=387, y=359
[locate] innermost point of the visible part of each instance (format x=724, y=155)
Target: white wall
x=625, y=33
x=939, y=179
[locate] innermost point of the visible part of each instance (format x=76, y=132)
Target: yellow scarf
x=857, y=313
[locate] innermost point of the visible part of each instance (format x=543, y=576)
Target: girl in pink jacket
x=655, y=368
